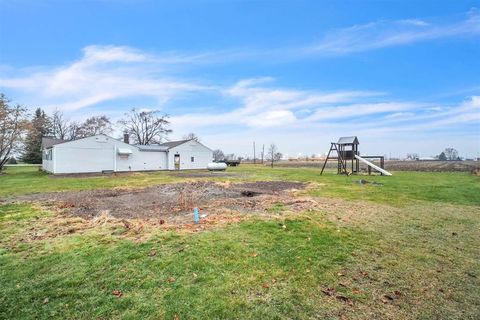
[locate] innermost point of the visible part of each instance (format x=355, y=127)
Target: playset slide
x=385, y=172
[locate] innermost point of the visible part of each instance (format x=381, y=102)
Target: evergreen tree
x=39, y=127
x=442, y=156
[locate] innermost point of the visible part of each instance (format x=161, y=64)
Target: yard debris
x=329, y=291
x=117, y=293
x=66, y=205
x=126, y=224
x=152, y=253
x=171, y=279
x=373, y=183
x=45, y=301
x=388, y=297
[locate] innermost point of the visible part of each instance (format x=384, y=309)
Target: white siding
x=92, y=154
x=99, y=153
x=142, y=160
x=201, y=154
x=76, y=160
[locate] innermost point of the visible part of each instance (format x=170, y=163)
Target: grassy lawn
x=407, y=249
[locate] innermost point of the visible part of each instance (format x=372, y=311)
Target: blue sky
x=404, y=76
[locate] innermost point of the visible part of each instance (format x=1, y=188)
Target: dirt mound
x=268, y=187
x=168, y=201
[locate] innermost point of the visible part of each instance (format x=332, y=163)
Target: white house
x=101, y=153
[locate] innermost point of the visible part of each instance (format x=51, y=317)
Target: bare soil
x=204, y=174
x=172, y=203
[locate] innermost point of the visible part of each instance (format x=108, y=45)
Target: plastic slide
x=385, y=172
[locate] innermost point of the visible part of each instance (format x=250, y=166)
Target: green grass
x=460, y=188
x=23, y=180
x=451, y=187
x=218, y=274
x=418, y=246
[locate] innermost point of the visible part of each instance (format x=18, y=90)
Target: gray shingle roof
x=48, y=142
x=160, y=147
x=348, y=140
x=173, y=144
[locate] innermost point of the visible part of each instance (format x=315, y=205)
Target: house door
x=176, y=161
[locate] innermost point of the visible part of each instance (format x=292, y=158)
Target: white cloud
x=272, y=118
x=355, y=110
x=102, y=74
x=97, y=54
x=380, y=34
x=265, y=106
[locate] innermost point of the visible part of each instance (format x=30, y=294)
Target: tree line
x=21, y=133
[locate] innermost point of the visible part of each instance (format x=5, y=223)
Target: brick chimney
x=126, y=138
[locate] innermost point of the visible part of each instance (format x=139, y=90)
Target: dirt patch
x=205, y=174
x=172, y=203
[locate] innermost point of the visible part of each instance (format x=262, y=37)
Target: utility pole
x=254, y=160
x=263, y=152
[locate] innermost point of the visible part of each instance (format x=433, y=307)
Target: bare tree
x=273, y=154
x=146, y=127
x=13, y=125
x=451, y=154
x=93, y=126
x=60, y=125
x=62, y=128
x=191, y=136
x=230, y=156
x=412, y=156
x=218, y=155
x=72, y=131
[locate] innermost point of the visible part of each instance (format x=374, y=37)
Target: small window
x=192, y=159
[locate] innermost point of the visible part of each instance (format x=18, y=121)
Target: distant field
x=400, y=247
x=396, y=165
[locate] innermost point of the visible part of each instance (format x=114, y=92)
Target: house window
x=48, y=154
x=192, y=159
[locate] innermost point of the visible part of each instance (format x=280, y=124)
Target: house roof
x=348, y=140
x=173, y=144
x=48, y=142
x=151, y=148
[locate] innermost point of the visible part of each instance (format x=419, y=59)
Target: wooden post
x=254, y=155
